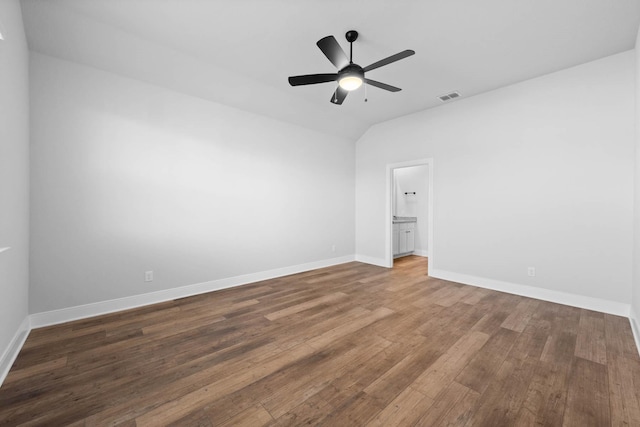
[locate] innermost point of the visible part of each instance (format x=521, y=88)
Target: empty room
x=337, y=213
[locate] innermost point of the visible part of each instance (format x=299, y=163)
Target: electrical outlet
x=333, y=248
x=148, y=276
x=531, y=271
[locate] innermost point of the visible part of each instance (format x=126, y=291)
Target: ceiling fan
x=350, y=76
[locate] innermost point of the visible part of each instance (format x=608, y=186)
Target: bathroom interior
x=410, y=211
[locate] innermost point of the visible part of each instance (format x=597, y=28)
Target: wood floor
x=348, y=345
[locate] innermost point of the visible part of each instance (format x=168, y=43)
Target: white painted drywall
x=414, y=179
x=14, y=174
x=635, y=302
x=129, y=177
x=538, y=174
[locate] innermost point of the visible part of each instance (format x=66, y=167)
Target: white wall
x=414, y=179
x=635, y=302
x=129, y=177
x=535, y=174
x=14, y=178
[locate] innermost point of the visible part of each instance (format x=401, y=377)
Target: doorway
x=409, y=213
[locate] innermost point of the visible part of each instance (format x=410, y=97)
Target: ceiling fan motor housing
x=351, y=77
x=351, y=70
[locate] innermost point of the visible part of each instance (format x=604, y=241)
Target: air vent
x=449, y=96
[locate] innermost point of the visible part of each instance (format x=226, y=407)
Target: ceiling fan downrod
x=351, y=36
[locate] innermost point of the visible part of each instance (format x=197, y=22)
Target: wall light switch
x=148, y=276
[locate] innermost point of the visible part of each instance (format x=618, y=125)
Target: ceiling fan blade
x=338, y=96
x=389, y=60
x=311, y=79
x=332, y=50
x=382, y=85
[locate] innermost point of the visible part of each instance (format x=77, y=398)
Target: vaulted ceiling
x=240, y=52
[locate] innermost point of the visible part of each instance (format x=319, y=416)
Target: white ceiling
x=240, y=52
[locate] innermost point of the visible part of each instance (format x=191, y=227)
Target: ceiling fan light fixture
x=350, y=82
x=351, y=77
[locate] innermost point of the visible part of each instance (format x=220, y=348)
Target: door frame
x=389, y=210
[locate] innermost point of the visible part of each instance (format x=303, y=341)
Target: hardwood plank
x=308, y=328
x=559, y=348
x=619, y=337
x=448, y=323
x=624, y=390
x=198, y=418
x=452, y=407
x=442, y=372
x=227, y=407
x=546, y=395
x=448, y=295
x=45, y=367
x=403, y=327
x=252, y=417
x=349, y=380
x=308, y=412
x=588, y=392
x=282, y=393
x=519, y=318
x=348, y=328
x=405, y=409
x=177, y=408
x=476, y=295
x=401, y=285
x=506, y=391
x=590, y=343
x=125, y=397
x=179, y=380
x=357, y=410
x=401, y=375
x=491, y=321
x=228, y=384
x=183, y=324
x=55, y=350
x=304, y=306
x=482, y=367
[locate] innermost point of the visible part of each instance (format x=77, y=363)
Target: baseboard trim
x=634, y=328
x=380, y=262
x=421, y=252
x=69, y=314
x=11, y=352
x=574, y=300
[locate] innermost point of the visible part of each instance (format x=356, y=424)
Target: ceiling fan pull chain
x=365, y=91
x=335, y=94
